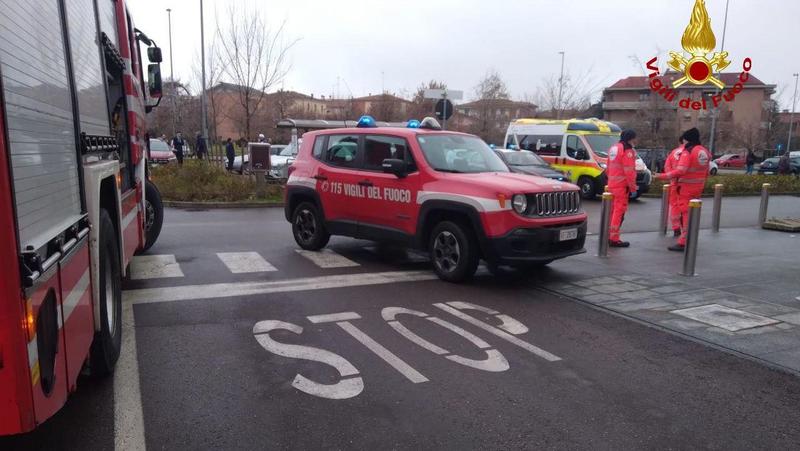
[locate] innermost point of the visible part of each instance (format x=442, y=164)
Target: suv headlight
x=520, y=203
x=603, y=165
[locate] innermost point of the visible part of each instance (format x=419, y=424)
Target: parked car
x=279, y=163
x=653, y=158
x=160, y=153
x=238, y=166
x=275, y=149
x=525, y=162
x=770, y=165
x=731, y=161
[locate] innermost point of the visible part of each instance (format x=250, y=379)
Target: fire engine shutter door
x=86, y=63
x=39, y=119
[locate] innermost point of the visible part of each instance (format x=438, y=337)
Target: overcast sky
x=457, y=41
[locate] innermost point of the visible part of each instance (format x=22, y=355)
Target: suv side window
x=574, y=144
x=342, y=150
x=378, y=148
x=319, y=145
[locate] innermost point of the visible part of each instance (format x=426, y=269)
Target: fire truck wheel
x=307, y=227
x=454, y=252
x=154, y=214
x=588, y=187
x=108, y=340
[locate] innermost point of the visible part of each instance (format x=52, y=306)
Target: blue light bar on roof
x=413, y=123
x=366, y=122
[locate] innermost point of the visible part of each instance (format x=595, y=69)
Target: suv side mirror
x=154, y=54
x=581, y=154
x=395, y=166
x=154, y=80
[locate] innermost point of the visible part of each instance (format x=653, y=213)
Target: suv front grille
x=560, y=203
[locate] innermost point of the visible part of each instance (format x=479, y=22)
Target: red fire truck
x=75, y=201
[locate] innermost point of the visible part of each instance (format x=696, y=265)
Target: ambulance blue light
x=413, y=123
x=366, y=122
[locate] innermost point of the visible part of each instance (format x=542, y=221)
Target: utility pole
x=791, y=115
x=203, y=101
x=715, y=110
x=560, y=86
x=171, y=73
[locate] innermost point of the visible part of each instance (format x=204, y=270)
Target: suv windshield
x=523, y=158
x=288, y=151
x=460, y=154
x=601, y=143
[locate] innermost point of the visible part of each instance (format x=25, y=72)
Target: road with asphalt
x=235, y=340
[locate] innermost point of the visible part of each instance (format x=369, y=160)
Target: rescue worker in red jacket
x=674, y=210
x=690, y=174
x=621, y=172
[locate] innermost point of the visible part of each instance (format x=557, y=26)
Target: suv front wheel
x=454, y=252
x=307, y=227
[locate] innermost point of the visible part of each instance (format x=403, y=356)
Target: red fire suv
x=445, y=192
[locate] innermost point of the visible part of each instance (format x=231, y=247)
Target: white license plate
x=768, y=173
x=568, y=234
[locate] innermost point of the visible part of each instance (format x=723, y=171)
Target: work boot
x=677, y=247
x=619, y=243
x=676, y=233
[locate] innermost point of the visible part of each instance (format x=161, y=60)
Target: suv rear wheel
x=307, y=227
x=454, y=252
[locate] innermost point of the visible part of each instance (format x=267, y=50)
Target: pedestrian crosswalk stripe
x=154, y=267
x=327, y=258
x=245, y=262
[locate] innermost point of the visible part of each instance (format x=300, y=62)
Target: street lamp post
x=791, y=115
x=171, y=73
x=560, y=86
x=203, y=104
x=715, y=111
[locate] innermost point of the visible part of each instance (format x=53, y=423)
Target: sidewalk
x=744, y=297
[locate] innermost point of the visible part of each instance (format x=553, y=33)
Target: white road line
x=385, y=354
x=333, y=317
x=128, y=419
x=245, y=262
x=238, y=289
x=327, y=258
x=504, y=335
x=155, y=267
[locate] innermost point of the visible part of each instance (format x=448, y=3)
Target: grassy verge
x=198, y=181
x=742, y=184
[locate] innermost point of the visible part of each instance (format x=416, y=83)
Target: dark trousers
x=230, y=161
x=179, y=156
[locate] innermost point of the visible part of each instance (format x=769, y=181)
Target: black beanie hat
x=627, y=135
x=692, y=136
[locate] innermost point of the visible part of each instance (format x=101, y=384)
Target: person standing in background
x=177, y=147
x=750, y=161
x=200, y=146
x=230, y=152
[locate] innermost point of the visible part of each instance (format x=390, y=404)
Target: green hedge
x=199, y=181
x=744, y=184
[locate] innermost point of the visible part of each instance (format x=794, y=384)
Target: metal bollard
x=762, y=211
x=690, y=253
x=664, y=218
x=605, y=223
x=717, y=207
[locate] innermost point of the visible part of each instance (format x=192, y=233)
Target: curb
x=210, y=205
x=724, y=195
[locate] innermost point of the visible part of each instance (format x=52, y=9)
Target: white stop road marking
x=245, y=262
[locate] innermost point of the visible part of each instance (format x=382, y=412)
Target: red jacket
x=621, y=170
x=692, y=168
x=673, y=158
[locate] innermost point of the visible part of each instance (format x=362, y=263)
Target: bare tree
x=213, y=77
x=490, y=93
x=254, y=58
x=420, y=106
x=576, y=93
